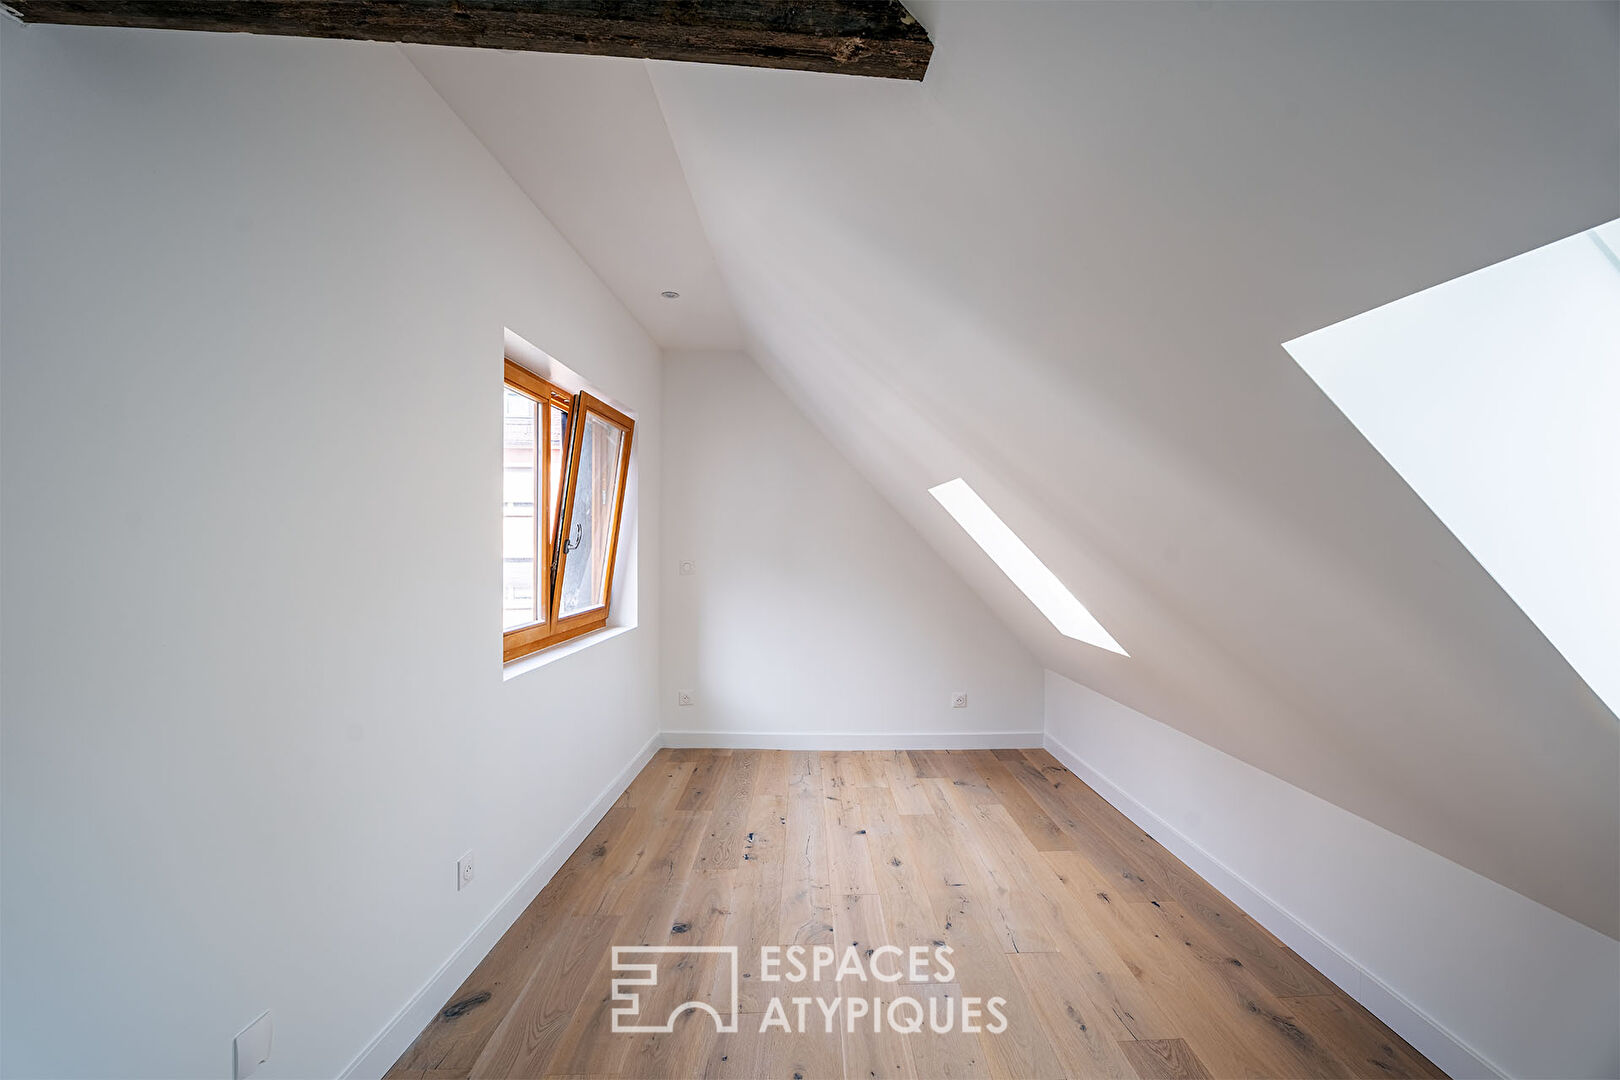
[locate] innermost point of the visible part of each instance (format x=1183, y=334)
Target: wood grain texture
x=851, y=37
x=1164, y=1059
x=1113, y=958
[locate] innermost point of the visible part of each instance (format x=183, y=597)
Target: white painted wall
x=817, y=615
x=253, y=703
x=1531, y=992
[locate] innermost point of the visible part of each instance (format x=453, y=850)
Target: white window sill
x=525, y=664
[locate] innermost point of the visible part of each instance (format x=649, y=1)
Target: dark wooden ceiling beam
x=852, y=37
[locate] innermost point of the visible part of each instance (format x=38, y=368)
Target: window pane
x=590, y=533
x=519, y=595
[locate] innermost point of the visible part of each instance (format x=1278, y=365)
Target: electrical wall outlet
x=686, y=697
x=251, y=1047
x=959, y=700
x=688, y=568
x=464, y=871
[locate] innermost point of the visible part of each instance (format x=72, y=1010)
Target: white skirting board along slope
x=1411, y=1023
x=855, y=740
x=396, y=1037
x=1483, y=980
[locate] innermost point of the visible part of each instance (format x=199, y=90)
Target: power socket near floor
x=464, y=871
x=251, y=1048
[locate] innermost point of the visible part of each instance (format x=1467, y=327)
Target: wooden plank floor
x=1114, y=959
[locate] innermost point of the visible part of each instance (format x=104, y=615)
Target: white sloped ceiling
x=584, y=137
x=1063, y=268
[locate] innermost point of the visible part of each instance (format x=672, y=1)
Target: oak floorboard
x=735, y=1055
x=1075, y=1025
x=848, y=841
x=1021, y=891
x=968, y=768
x=907, y=918
x=905, y=786
x=523, y=1042
x=703, y=786
x=874, y=1050
x=981, y=967
x=1128, y=876
x=954, y=1054
x=666, y=783
x=771, y=771
x=722, y=847
x=1042, y=832
x=1015, y=880
x=1358, y=1038
x=1164, y=1059
x=806, y=905
x=755, y=922
x=849, y=769
x=929, y=764
x=814, y=1054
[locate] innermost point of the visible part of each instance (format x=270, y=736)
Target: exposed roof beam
x=852, y=37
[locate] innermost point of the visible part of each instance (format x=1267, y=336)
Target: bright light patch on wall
x=1019, y=563
x=1496, y=398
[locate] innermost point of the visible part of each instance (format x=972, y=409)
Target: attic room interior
x=1034, y=540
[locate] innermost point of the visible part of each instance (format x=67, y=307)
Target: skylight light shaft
x=1022, y=566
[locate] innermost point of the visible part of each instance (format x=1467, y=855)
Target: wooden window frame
x=550, y=563
x=584, y=622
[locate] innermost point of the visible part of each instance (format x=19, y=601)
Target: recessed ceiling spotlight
x=670, y=294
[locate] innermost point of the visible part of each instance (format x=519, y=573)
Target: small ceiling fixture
x=670, y=294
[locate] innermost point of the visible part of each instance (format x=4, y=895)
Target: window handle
x=574, y=541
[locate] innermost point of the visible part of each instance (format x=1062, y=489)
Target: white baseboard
x=854, y=740
x=1450, y=1053
x=398, y=1034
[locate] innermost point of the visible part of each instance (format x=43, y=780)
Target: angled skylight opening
x=1495, y=396
x=1021, y=565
